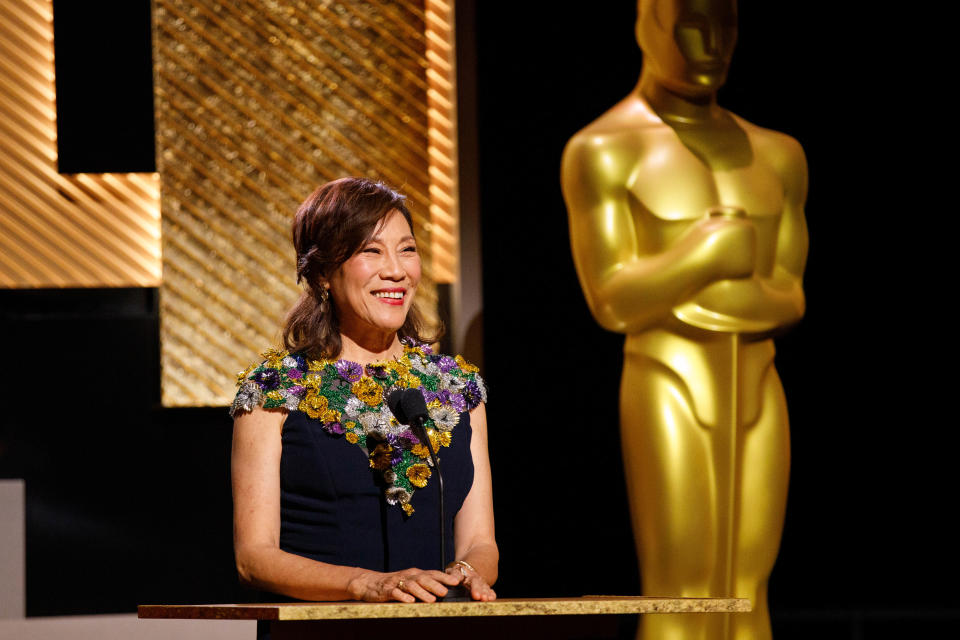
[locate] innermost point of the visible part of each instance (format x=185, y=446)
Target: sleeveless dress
x=357, y=488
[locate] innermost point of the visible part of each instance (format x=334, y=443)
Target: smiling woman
x=373, y=290
x=336, y=233
x=331, y=497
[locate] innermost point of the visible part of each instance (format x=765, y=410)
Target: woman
x=333, y=498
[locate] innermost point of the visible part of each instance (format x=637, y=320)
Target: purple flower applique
x=458, y=402
x=333, y=427
x=407, y=440
x=396, y=447
x=376, y=371
x=294, y=374
x=295, y=390
x=471, y=393
x=446, y=363
x=268, y=379
x=350, y=371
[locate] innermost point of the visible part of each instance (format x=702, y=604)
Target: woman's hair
x=330, y=226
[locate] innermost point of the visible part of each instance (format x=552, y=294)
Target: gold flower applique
x=396, y=366
x=242, y=375
x=407, y=350
x=368, y=391
x=464, y=365
x=437, y=440
x=312, y=382
x=380, y=457
x=317, y=365
x=420, y=451
x=314, y=405
x=275, y=357
x=418, y=474
x=408, y=380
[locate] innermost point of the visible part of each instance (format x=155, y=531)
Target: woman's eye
x=412, y=248
x=371, y=250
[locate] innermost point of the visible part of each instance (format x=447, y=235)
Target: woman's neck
x=369, y=348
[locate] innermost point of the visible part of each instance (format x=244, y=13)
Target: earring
x=324, y=295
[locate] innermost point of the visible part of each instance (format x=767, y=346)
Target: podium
x=594, y=617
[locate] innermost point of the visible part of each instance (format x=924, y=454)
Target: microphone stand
x=459, y=592
x=409, y=408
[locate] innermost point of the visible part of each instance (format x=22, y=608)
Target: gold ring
x=400, y=585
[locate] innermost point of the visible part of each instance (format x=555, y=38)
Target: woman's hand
x=474, y=583
x=408, y=585
x=473, y=531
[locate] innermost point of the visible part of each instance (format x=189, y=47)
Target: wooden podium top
x=587, y=605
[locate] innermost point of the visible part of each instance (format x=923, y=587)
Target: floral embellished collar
x=348, y=399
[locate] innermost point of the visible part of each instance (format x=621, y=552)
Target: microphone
x=409, y=408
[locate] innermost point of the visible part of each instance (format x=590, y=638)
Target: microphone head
x=407, y=405
x=394, y=400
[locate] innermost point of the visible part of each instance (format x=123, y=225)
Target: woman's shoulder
x=276, y=382
x=440, y=372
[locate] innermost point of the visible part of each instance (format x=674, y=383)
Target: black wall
x=129, y=503
x=126, y=503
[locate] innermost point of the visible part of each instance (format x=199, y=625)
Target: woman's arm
x=256, y=532
x=473, y=527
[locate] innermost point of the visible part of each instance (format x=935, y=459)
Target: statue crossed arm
x=637, y=268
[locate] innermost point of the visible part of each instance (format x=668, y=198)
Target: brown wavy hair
x=330, y=226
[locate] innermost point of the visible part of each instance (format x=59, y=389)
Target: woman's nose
x=392, y=268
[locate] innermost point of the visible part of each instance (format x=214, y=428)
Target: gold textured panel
x=442, y=137
x=83, y=230
x=258, y=102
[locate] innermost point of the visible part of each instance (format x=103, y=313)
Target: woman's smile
x=391, y=296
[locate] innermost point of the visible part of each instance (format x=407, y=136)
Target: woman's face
x=374, y=288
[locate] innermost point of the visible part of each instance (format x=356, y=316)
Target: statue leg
x=765, y=472
x=669, y=463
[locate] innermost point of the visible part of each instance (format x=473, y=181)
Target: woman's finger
x=401, y=590
x=457, y=575
x=433, y=585
x=417, y=587
x=402, y=595
x=449, y=579
x=480, y=590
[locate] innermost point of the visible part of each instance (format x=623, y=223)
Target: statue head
x=687, y=44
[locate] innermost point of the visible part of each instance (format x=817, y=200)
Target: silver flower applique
x=445, y=417
x=397, y=494
x=248, y=397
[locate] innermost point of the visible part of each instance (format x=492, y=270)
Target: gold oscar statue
x=688, y=236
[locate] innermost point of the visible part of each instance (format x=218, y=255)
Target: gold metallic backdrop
x=257, y=104
x=442, y=137
x=83, y=230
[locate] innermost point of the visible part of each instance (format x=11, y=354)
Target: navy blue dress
x=332, y=506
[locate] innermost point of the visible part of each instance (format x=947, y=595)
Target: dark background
x=129, y=503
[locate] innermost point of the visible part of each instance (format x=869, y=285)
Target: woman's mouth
x=390, y=296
